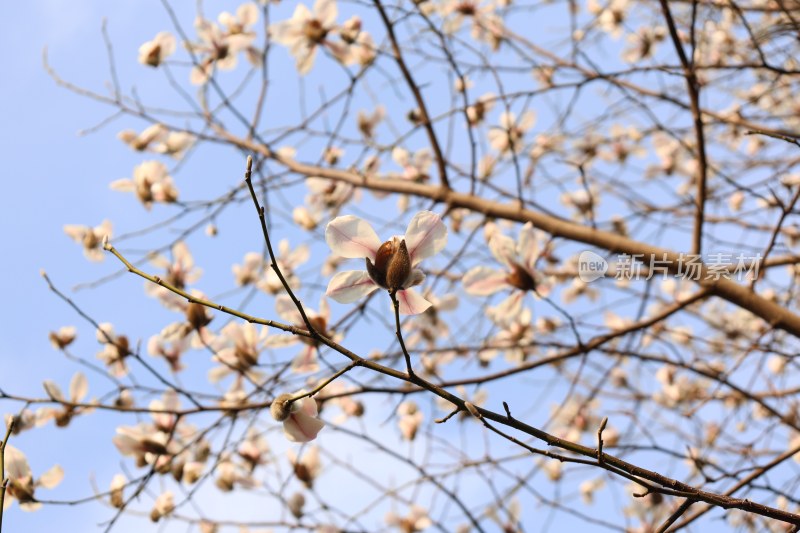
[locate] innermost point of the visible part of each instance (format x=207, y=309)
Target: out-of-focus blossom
x=171, y=343
x=307, y=467
x=390, y=265
x=154, y=52
x=254, y=449
x=521, y=276
x=306, y=360
x=117, y=496
x=367, y=122
x=417, y=519
x=476, y=113
x=305, y=31
x=164, y=505
x=63, y=337
x=508, y=136
x=90, y=238
x=115, y=349
x=582, y=201
x=151, y=183
x=589, y=487
x=218, y=48
x=78, y=388
x=287, y=260
x=21, y=483
x=409, y=419
x=142, y=141
x=237, y=348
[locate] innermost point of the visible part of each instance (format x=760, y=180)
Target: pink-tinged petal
x=348, y=287
x=349, y=236
x=426, y=236
x=528, y=248
x=287, y=310
x=508, y=311
x=483, y=281
x=411, y=302
x=305, y=361
x=308, y=406
x=300, y=427
x=503, y=249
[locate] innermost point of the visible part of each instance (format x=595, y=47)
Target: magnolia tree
x=495, y=266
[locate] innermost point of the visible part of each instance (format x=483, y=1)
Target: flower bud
x=281, y=407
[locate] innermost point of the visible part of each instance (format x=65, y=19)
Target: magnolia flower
x=368, y=122
x=141, y=141
x=117, y=496
x=90, y=238
x=409, y=419
x=254, y=449
x=151, y=182
x=21, y=485
x=521, y=275
x=220, y=48
x=299, y=417
x=415, y=168
x=508, y=136
x=175, y=144
x=390, y=265
x=306, y=468
x=237, y=349
x=477, y=111
x=589, y=487
x=416, y=520
x=154, y=52
x=78, y=388
x=115, y=349
x=306, y=360
x=163, y=506
x=63, y=337
x=288, y=260
x=305, y=31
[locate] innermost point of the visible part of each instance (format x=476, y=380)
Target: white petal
x=16, y=464
x=247, y=14
x=426, y=236
x=325, y=11
x=503, y=249
x=348, y=287
x=78, y=387
x=349, y=236
x=53, y=390
x=483, y=281
x=528, y=248
x=52, y=477
x=411, y=303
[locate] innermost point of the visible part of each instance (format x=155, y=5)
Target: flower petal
x=411, y=303
x=300, y=427
x=349, y=236
x=503, y=249
x=78, y=387
x=483, y=281
x=426, y=236
x=325, y=11
x=348, y=287
x=52, y=477
x=528, y=248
